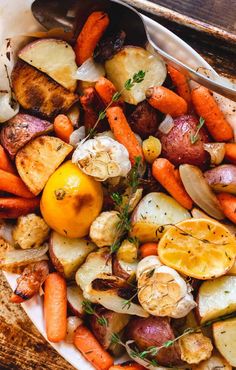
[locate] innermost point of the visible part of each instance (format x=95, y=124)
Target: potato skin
x=177, y=146
x=144, y=120
x=154, y=331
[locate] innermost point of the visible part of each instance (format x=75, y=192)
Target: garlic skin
x=162, y=291
x=102, y=158
x=103, y=230
x=7, y=110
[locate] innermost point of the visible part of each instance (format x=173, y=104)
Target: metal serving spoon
x=71, y=15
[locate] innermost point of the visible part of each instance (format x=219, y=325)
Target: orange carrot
x=165, y=173
x=63, y=127
x=148, y=249
x=91, y=349
x=14, y=185
x=181, y=83
x=90, y=105
x=206, y=107
x=5, y=163
x=55, y=307
x=228, y=205
x=123, y=133
x=106, y=91
x=91, y=33
x=230, y=152
x=166, y=101
x=129, y=366
x=13, y=207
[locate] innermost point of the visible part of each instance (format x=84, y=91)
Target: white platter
x=34, y=307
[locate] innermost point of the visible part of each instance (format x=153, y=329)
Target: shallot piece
x=102, y=158
x=162, y=291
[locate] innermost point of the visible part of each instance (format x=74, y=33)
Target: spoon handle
x=218, y=85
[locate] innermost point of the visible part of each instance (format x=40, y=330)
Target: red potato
x=75, y=300
x=177, y=146
x=22, y=128
x=154, y=331
x=222, y=178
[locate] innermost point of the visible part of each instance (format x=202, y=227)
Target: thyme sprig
x=124, y=225
x=89, y=309
x=129, y=84
x=195, y=137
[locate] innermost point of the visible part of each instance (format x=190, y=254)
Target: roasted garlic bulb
x=162, y=291
x=102, y=158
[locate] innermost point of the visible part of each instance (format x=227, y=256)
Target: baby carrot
x=106, y=90
x=148, y=249
x=13, y=207
x=206, y=107
x=5, y=163
x=165, y=173
x=130, y=366
x=55, y=306
x=228, y=205
x=230, y=152
x=91, y=33
x=14, y=185
x=63, y=127
x=166, y=101
x=123, y=133
x=181, y=83
x=91, y=349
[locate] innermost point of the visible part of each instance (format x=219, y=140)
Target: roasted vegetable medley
x=118, y=202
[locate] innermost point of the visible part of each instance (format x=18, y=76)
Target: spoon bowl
x=71, y=15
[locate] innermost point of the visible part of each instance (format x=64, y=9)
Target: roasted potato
x=38, y=93
x=115, y=323
x=19, y=130
x=154, y=331
x=75, y=300
x=215, y=362
x=122, y=269
x=144, y=120
x=225, y=339
x=195, y=347
x=30, y=231
x=54, y=57
x=37, y=161
x=67, y=254
x=222, y=178
x=177, y=146
x=129, y=61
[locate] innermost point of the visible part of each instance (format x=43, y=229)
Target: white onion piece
x=77, y=136
x=200, y=192
x=72, y=324
x=166, y=125
x=89, y=71
x=19, y=257
x=6, y=230
x=216, y=151
x=142, y=362
x=7, y=109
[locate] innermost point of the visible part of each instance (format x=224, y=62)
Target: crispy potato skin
x=38, y=93
x=144, y=120
x=177, y=146
x=154, y=331
x=20, y=130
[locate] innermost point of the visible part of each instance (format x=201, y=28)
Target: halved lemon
x=199, y=248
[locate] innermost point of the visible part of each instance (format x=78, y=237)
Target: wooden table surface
x=21, y=346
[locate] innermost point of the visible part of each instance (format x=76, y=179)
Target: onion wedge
x=200, y=192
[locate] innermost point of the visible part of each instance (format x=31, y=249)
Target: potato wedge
x=20, y=130
x=38, y=93
x=37, y=161
x=216, y=298
x=225, y=339
x=215, y=362
x=75, y=300
x=222, y=178
x=54, y=57
x=155, y=210
x=127, y=62
x=68, y=254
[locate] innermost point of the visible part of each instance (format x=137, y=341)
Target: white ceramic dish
x=34, y=308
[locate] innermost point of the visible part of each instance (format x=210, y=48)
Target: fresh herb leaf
x=117, y=198
x=195, y=137
x=88, y=308
x=115, y=338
